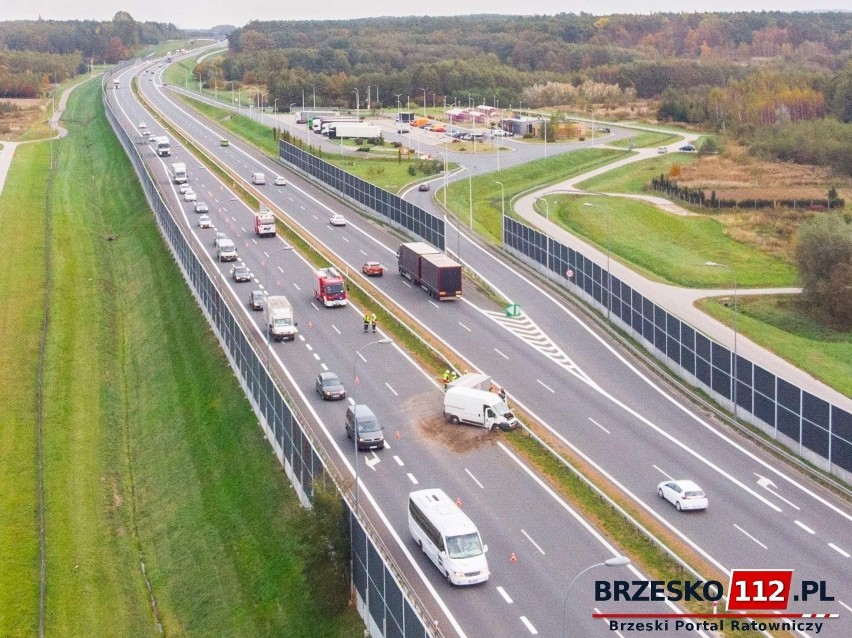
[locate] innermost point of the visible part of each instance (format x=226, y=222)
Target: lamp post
x=358, y=356
x=547, y=246
x=266, y=281
x=424, y=101
x=608, y=275
x=615, y=561
x=736, y=311
x=291, y=121
x=502, y=208
x=357, y=103
x=314, y=89
x=470, y=195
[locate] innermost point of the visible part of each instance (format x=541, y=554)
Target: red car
x=373, y=269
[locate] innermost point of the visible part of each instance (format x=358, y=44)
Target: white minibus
x=447, y=536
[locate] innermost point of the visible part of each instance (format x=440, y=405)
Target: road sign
x=569, y=273
x=513, y=310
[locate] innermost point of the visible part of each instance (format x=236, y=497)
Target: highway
x=600, y=403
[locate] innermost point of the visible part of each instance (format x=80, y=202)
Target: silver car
x=204, y=221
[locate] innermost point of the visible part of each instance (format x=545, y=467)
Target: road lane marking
x=398, y=461
x=662, y=472
x=314, y=306
x=845, y=605
x=433, y=303
x=395, y=393
x=344, y=239
x=465, y=327
x=371, y=463
x=309, y=346
x=411, y=478
x=296, y=286
x=599, y=425
x=529, y=626
x=770, y=487
x=536, y=545
x=804, y=527
x=324, y=367
x=316, y=356
x=475, y=480
x=750, y=536
x=301, y=338
x=501, y=354
x=266, y=253
x=843, y=553
x=544, y=386
x=503, y=593
x=242, y=228
x=616, y=632
x=335, y=329
x=281, y=269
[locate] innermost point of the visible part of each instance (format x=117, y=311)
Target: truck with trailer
x=323, y=124
x=280, y=322
x=162, y=146
x=339, y=130
x=305, y=117
x=330, y=288
x=264, y=223
x=408, y=258
x=477, y=407
x=179, y=172
x=432, y=270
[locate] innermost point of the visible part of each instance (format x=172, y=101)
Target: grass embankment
x=487, y=203
x=633, y=177
x=151, y=452
x=645, y=139
x=665, y=246
x=780, y=324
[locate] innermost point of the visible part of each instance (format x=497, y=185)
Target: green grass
x=151, y=452
x=486, y=193
x=780, y=324
x=633, y=177
x=22, y=291
x=666, y=246
x=645, y=139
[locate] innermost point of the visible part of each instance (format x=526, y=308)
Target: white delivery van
x=477, y=407
x=280, y=322
x=447, y=536
x=226, y=250
x=258, y=178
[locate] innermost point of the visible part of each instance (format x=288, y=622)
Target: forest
x=36, y=53
x=751, y=75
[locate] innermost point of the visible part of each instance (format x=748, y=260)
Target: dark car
x=240, y=273
x=201, y=207
x=329, y=387
x=257, y=300
x=423, y=188
x=687, y=148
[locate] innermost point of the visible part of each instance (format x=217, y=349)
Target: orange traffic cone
x=397, y=434
x=513, y=558
x=458, y=502
x=310, y=324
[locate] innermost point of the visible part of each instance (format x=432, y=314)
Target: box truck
x=408, y=258
x=477, y=407
x=338, y=130
x=179, y=172
x=162, y=146
x=441, y=277
x=279, y=318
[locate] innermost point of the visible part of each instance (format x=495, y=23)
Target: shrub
x=824, y=255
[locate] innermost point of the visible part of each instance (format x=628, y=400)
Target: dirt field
x=14, y=122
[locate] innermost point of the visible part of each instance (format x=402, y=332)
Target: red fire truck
x=330, y=289
x=264, y=223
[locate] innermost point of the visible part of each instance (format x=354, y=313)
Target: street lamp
x=547, y=235
x=424, y=101
x=291, y=121
x=384, y=341
x=266, y=281
x=736, y=311
x=608, y=275
x=357, y=103
x=615, y=561
x=502, y=208
x=470, y=195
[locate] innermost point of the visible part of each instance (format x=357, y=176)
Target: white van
x=477, y=407
x=258, y=178
x=447, y=536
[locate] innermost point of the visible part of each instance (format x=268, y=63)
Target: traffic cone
x=397, y=434
x=357, y=380
x=310, y=324
x=513, y=558
x=458, y=502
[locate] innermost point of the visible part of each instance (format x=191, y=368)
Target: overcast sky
x=207, y=13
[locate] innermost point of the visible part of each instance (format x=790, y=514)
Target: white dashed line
x=324, y=367
x=661, y=472
x=281, y=269
x=316, y=356
x=599, y=425
x=302, y=338
x=617, y=633
x=433, y=303
x=344, y=239
x=395, y=393
x=536, y=545
x=750, y=536
x=254, y=240
x=839, y=551
x=398, y=461
x=474, y=479
x=314, y=306
x=335, y=329
x=363, y=252
x=501, y=354
x=465, y=327
x=309, y=346
x=845, y=605
x=296, y=286
x=505, y=596
x=804, y=527
x=266, y=253
x=544, y=386
x=411, y=478
x=529, y=626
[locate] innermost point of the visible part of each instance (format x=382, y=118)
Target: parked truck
x=329, y=288
x=408, y=258
x=264, y=223
x=323, y=125
x=477, y=407
x=179, y=172
x=162, y=146
x=303, y=117
x=339, y=130
x=441, y=277
x=279, y=319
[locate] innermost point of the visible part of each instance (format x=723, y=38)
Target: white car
x=337, y=220
x=280, y=181
x=684, y=495
x=204, y=221
x=143, y=125
x=218, y=238
x=183, y=188
x=190, y=196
